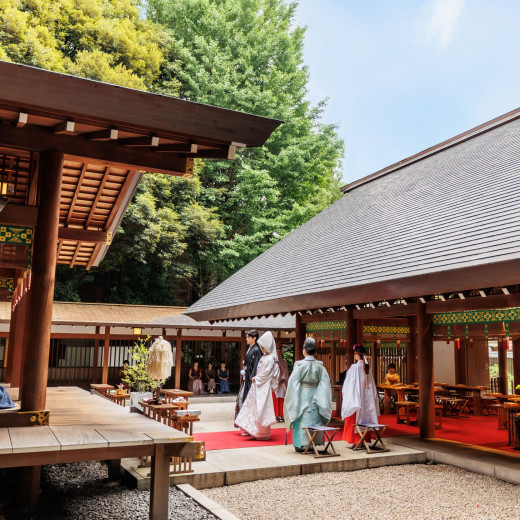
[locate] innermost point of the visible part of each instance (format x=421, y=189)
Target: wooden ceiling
x=109, y=136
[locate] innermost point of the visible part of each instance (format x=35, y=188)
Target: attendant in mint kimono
x=308, y=401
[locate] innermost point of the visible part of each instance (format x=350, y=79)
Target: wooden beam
x=106, y=356
x=67, y=127
x=19, y=215
x=177, y=147
x=76, y=252
x=385, y=312
x=516, y=364
x=22, y=264
x=146, y=141
x=178, y=358
x=475, y=303
x=98, y=195
x=502, y=367
x=425, y=354
x=102, y=135
x=100, y=152
x=39, y=312
x=227, y=155
x=82, y=235
x=351, y=336
x=160, y=484
x=411, y=352
x=299, y=329
x=76, y=192
x=22, y=120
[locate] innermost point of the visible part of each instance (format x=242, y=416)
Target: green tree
x=107, y=40
x=247, y=55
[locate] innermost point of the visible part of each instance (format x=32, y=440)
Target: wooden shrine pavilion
x=423, y=253
x=72, y=152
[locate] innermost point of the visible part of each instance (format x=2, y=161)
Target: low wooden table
x=175, y=392
x=157, y=411
x=476, y=393
x=183, y=423
x=102, y=389
x=511, y=409
x=119, y=399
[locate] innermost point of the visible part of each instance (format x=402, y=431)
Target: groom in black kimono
x=253, y=356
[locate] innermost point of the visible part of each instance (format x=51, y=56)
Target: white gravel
x=82, y=491
x=408, y=492
x=215, y=412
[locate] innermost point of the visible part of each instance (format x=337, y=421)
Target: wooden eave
x=109, y=135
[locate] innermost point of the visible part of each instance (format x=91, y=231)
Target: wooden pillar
x=95, y=362
x=29, y=486
x=411, y=353
x=502, y=367
x=243, y=347
x=17, y=344
x=460, y=362
x=106, y=356
x=351, y=336
x=299, y=331
x=516, y=364
x=222, y=351
x=39, y=310
x=160, y=484
x=375, y=362
x=178, y=359
x=333, y=375
x=425, y=355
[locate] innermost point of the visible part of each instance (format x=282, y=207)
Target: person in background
x=5, y=399
x=360, y=400
x=210, y=376
x=308, y=401
x=223, y=378
x=392, y=377
x=122, y=370
x=257, y=413
x=195, y=384
x=281, y=389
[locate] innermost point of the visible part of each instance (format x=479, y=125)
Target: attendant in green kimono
x=308, y=401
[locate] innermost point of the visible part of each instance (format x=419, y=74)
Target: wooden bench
x=409, y=406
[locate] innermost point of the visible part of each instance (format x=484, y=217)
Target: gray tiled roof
x=456, y=207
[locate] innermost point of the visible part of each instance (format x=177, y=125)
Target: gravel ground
x=215, y=412
x=82, y=491
x=408, y=492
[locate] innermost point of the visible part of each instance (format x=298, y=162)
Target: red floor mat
x=475, y=430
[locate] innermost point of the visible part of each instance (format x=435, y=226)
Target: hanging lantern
x=457, y=344
x=398, y=343
x=471, y=343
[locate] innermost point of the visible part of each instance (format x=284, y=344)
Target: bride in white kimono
x=257, y=413
x=360, y=401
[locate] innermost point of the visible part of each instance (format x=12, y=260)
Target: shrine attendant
x=195, y=384
x=392, y=377
x=281, y=390
x=360, y=400
x=257, y=413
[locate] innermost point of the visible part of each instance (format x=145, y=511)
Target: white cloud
x=442, y=21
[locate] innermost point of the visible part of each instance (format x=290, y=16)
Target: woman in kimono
x=281, y=389
x=308, y=401
x=257, y=413
x=223, y=378
x=195, y=384
x=210, y=376
x=360, y=401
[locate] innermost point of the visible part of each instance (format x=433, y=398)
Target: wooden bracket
x=20, y=419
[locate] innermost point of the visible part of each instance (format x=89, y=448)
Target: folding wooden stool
x=325, y=430
x=370, y=428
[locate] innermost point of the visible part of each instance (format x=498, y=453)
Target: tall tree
x=107, y=40
x=247, y=55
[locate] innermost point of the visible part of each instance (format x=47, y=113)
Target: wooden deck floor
x=83, y=426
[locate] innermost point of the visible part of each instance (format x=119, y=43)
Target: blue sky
x=404, y=75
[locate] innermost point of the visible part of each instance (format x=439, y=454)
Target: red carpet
x=233, y=439
x=479, y=431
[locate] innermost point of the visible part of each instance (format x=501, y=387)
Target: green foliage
x=105, y=40
x=493, y=372
x=136, y=375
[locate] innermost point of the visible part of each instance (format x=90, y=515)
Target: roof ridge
x=121, y=305
x=432, y=150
